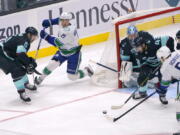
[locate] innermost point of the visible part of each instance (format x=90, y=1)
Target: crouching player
x=146, y=54
x=69, y=49
x=130, y=66
x=14, y=60
x=170, y=70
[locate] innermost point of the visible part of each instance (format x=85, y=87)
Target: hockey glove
x=174, y=81
x=48, y=22
x=30, y=68
x=43, y=34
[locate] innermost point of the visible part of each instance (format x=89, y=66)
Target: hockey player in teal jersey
x=14, y=60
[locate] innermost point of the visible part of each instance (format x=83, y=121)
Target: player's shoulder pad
x=72, y=27
x=124, y=41
x=141, y=33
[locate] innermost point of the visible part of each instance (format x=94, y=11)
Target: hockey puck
x=104, y=112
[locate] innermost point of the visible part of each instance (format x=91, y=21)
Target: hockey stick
x=37, y=72
x=39, y=44
x=97, y=63
x=132, y=108
x=37, y=51
x=114, y=107
x=120, y=106
x=178, y=92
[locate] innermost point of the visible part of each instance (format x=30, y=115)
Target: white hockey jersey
x=171, y=67
x=69, y=37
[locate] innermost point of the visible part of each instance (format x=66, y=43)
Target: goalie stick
x=97, y=63
x=132, y=108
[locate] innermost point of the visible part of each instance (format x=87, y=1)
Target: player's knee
x=142, y=81
x=17, y=72
x=47, y=71
x=50, y=67
x=73, y=77
x=19, y=78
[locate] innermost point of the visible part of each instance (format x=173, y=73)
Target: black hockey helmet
x=138, y=41
x=32, y=31
x=178, y=34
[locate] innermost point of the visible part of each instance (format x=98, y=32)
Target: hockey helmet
x=163, y=52
x=31, y=30
x=138, y=41
x=131, y=30
x=65, y=16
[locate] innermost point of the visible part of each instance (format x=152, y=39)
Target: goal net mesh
x=147, y=20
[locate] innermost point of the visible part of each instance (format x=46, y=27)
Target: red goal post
x=118, y=23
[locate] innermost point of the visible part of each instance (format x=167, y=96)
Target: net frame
x=118, y=22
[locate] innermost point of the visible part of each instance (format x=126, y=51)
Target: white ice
x=62, y=107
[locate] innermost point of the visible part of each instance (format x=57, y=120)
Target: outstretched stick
x=39, y=44
x=132, y=108
x=142, y=101
x=36, y=55
x=114, y=107
x=114, y=70
x=120, y=106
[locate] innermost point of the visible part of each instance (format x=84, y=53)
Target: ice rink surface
x=62, y=107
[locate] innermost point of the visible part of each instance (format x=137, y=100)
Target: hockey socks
x=141, y=93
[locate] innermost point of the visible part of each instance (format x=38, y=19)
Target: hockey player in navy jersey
x=178, y=40
x=146, y=54
x=67, y=42
x=14, y=60
x=128, y=54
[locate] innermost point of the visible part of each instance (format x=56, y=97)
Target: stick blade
x=108, y=117
x=115, y=107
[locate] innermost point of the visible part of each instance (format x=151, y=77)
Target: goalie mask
x=163, y=53
x=132, y=32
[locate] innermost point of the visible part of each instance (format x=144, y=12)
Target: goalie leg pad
x=133, y=80
x=126, y=71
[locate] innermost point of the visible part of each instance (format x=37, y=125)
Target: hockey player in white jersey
x=69, y=49
x=170, y=70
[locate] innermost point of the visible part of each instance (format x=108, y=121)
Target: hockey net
x=148, y=20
